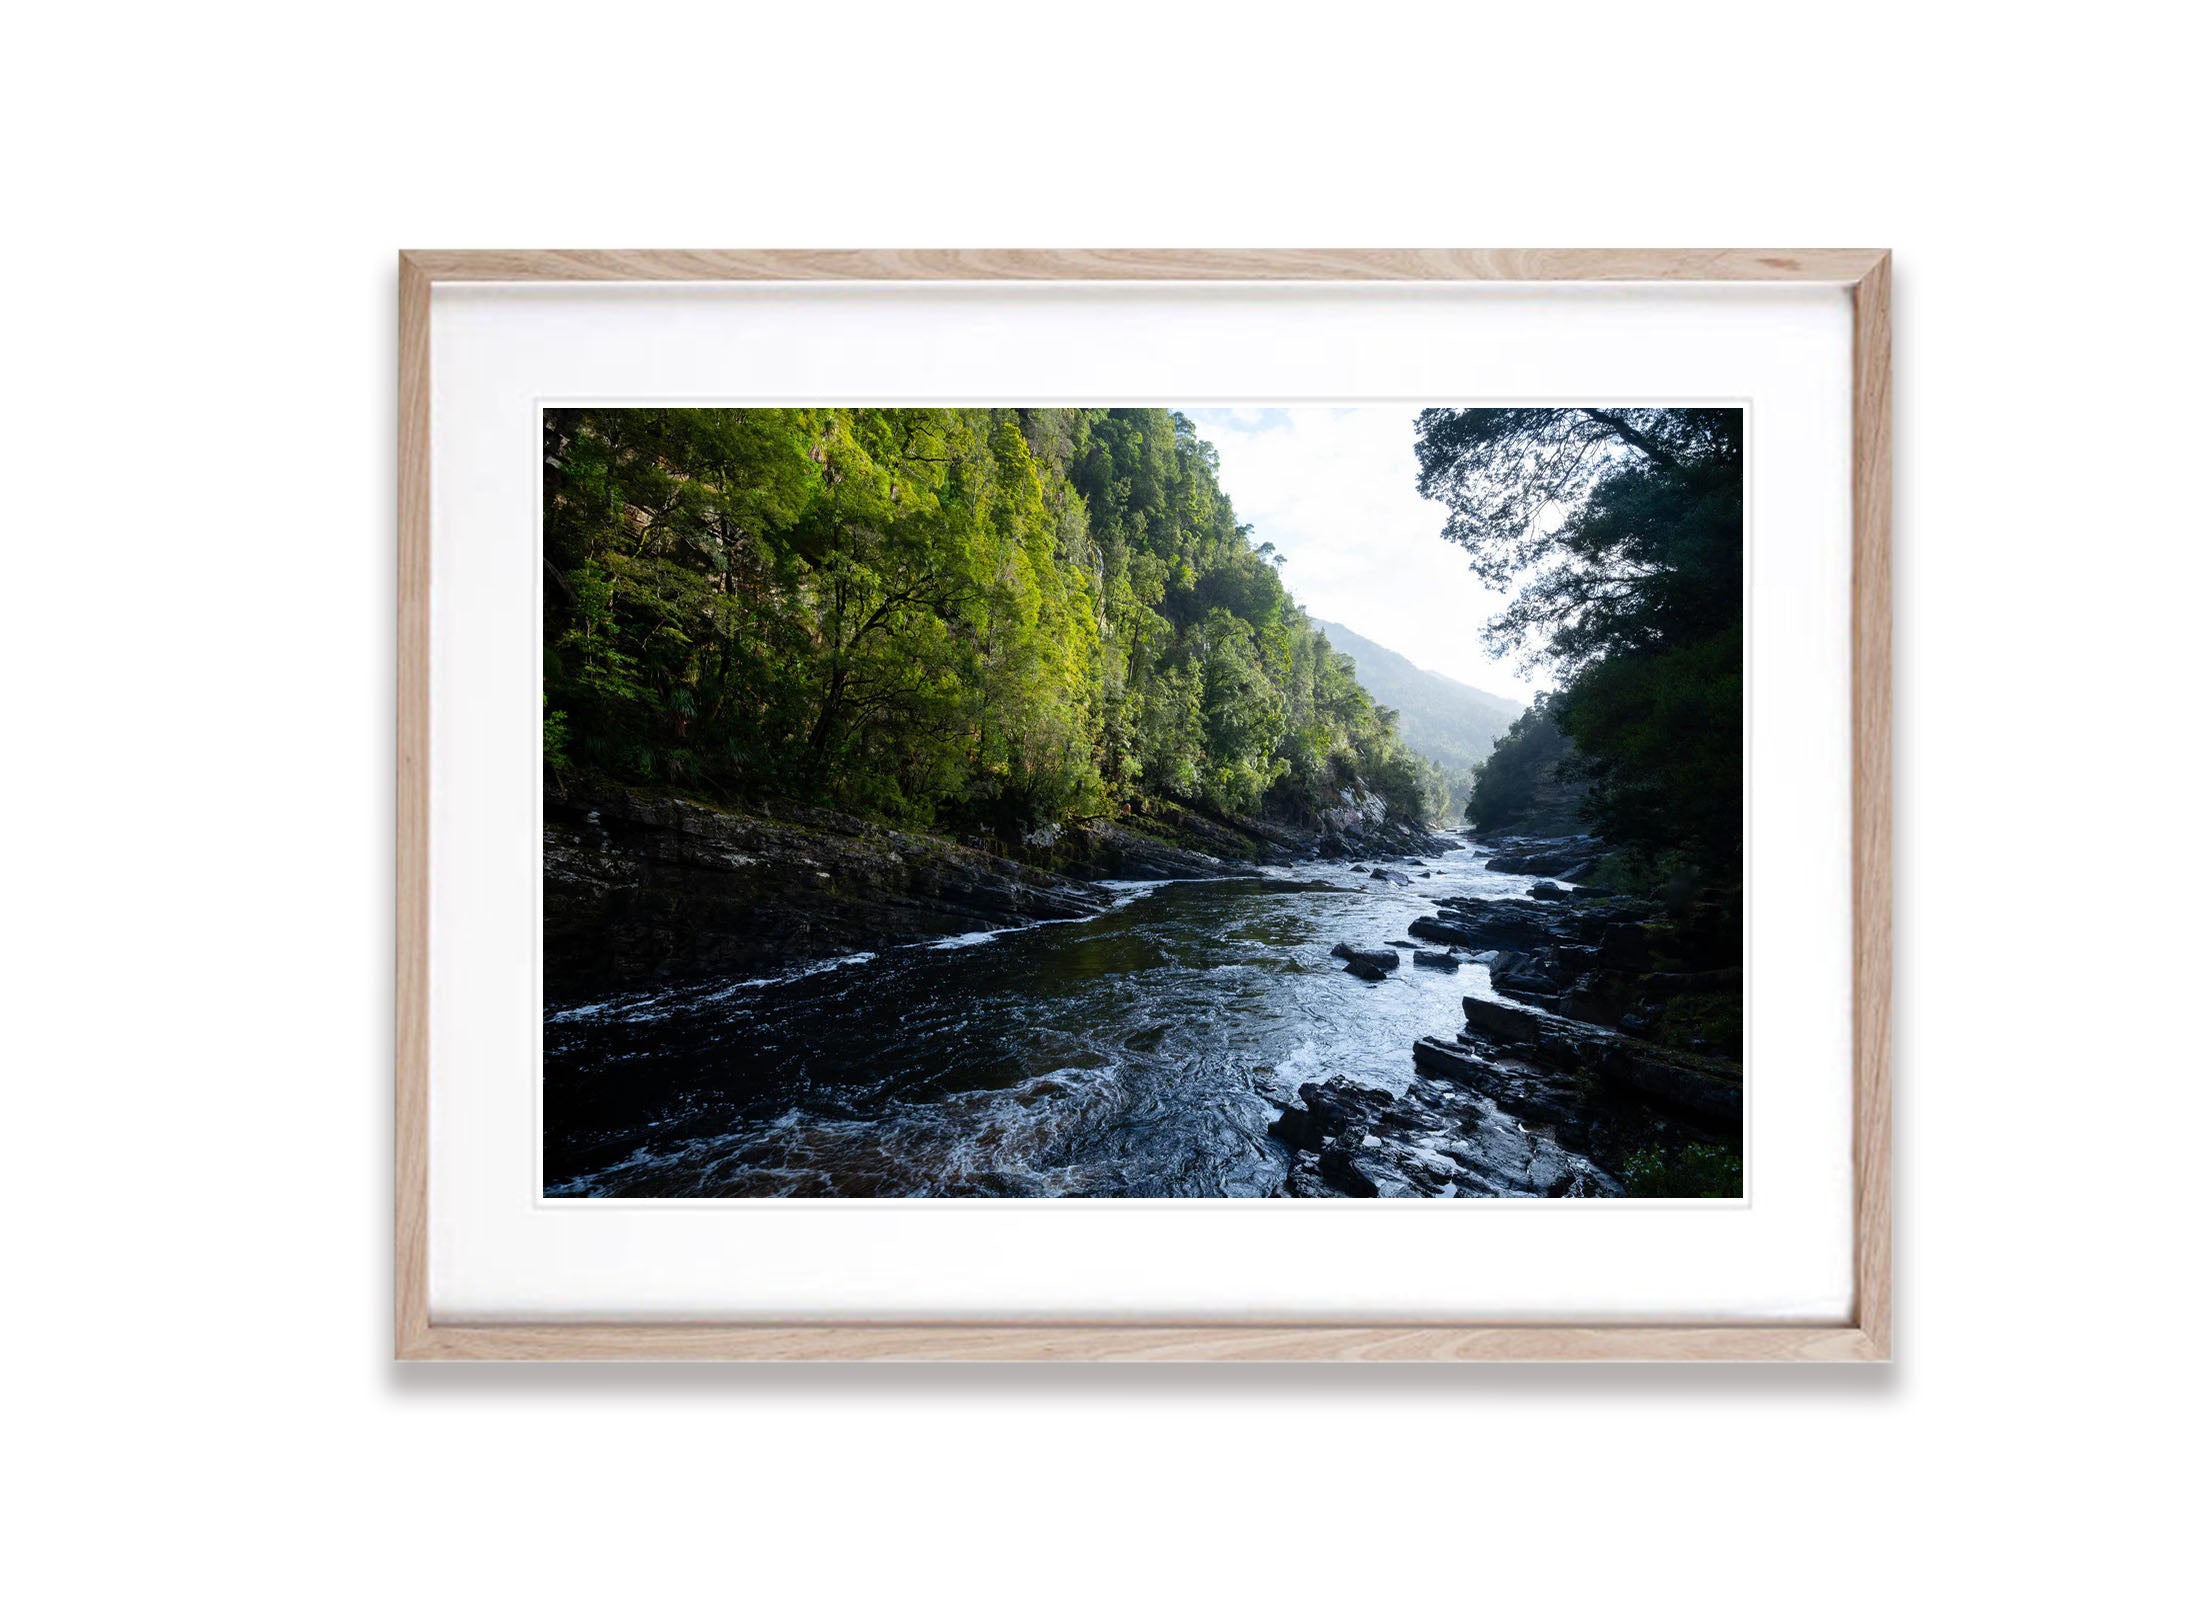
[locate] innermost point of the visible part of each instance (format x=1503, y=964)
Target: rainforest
x=975, y=621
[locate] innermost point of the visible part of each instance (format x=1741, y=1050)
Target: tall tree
x=1619, y=532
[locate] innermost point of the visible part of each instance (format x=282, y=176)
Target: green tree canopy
x=963, y=617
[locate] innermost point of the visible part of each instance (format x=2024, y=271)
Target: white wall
x=198, y=509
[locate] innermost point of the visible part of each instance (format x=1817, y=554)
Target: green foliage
x=554, y=736
x=1684, y=1172
x=962, y=618
x=1708, y=1023
x=1622, y=530
x=1661, y=733
x=1520, y=787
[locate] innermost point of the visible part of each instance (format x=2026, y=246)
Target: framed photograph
x=1096, y=805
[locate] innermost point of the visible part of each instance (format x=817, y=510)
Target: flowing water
x=1143, y=1051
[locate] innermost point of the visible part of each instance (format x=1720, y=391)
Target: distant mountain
x=1449, y=723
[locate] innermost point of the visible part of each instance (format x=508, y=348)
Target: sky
x=1332, y=488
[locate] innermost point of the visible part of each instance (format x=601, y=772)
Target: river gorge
x=1288, y=1029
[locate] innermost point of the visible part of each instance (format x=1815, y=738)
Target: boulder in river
x=1386, y=959
x=1544, y=889
x=1440, y=1058
x=1502, y=1021
x=1543, y=977
x=1436, y=958
x=1378, y=1167
x=1488, y=925
x=1337, y=1109
x=1506, y=963
x=1567, y=858
x=1440, y=932
x=1304, y=1180
x=1342, y=1172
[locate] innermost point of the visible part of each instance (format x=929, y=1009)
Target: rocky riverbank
x=641, y=888
x=1612, y=1056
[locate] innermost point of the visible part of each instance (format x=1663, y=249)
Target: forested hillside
x=1447, y=723
x=994, y=619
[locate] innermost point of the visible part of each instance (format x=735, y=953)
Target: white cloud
x=1333, y=489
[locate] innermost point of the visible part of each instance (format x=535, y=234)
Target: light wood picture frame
x=1864, y=1336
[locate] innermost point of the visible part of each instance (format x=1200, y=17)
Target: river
x=1140, y=1052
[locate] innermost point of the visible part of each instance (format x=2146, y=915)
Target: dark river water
x=1141, y=1052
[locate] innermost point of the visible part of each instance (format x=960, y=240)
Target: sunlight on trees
x=955, y=618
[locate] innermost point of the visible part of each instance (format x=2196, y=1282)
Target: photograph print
x=1202, y=802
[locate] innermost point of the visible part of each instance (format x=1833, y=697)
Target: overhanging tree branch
x=1628, y=433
